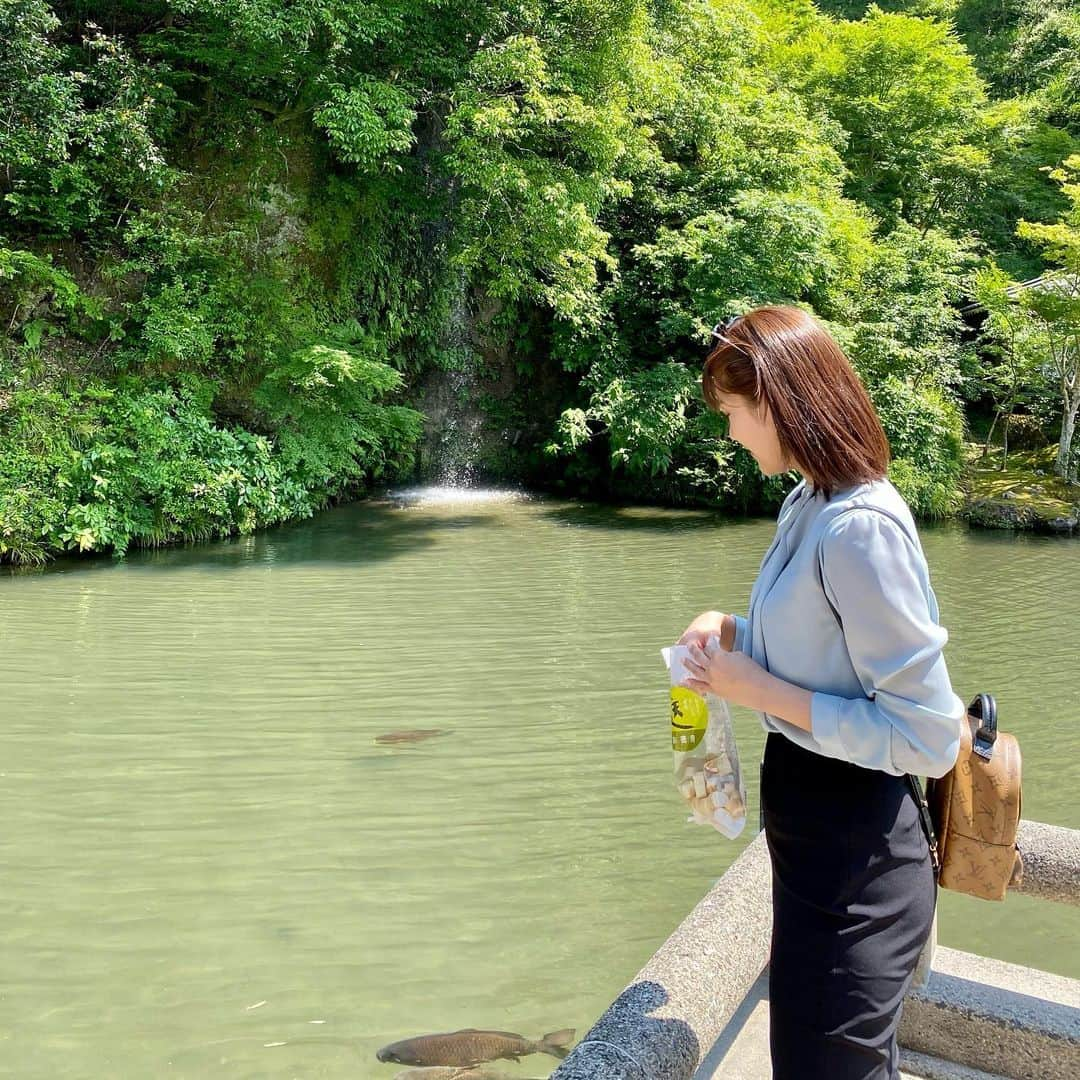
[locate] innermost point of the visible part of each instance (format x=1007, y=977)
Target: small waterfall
x=457, y=449
x=461, y=437
x=460, y=434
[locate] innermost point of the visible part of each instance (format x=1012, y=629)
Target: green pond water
x=211, y=869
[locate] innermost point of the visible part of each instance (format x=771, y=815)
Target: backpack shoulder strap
x=927, y=821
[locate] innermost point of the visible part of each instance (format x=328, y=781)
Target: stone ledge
x=693, y=1001
x=924, y=1067
x=990, y=1015
x=1051, y=857
x=679, y=1003
x=742, y=1051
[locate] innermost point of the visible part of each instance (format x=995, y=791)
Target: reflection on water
x=214, y=869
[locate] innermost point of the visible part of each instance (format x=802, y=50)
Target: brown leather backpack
x=971, y=813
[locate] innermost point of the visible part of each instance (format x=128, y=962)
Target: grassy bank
x=1025, y=495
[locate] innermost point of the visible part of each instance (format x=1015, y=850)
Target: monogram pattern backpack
x=971, y=814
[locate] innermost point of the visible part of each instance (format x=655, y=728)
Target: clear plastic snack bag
x=707, y=771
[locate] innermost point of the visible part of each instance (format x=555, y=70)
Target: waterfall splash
x=450, y=495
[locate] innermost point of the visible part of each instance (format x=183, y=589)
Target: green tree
x=1014, y=374
x=1045, y=57
x=81, y=141
x=909, y=100
x=232, y=220
x=1055, y=308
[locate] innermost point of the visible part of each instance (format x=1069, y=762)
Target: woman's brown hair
x=824, y=419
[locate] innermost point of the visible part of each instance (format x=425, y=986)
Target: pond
x=213, y=869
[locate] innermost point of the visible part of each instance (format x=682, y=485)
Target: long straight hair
x=825, y=421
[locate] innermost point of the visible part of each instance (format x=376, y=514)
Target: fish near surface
x=409, y=735
x=471, y=1046
x=454, y=1072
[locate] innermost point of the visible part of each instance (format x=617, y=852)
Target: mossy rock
x=1025, y=495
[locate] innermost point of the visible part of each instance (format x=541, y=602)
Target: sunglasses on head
x=719, y=331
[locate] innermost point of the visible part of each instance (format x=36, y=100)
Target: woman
x=840, y=653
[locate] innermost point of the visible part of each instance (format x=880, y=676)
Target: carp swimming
x=471, y=1046
x=409, y=735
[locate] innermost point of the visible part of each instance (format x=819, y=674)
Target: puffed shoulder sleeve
x=879, y=585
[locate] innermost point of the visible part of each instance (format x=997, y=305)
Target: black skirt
x=853, y=900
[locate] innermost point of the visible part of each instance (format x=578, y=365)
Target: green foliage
x=644, y=414
x=908, y=97
x=1020, y=143
x=81, y=143
x=1013, y=372
x=204, y=299
x=901, y=318
x=1051, y=312
x=146, y=464
x=926, y=432
x=366, y=122
x=321, y=400
x=770, y=245
x=1028, y=48
x=31, y=284
x=45, y=100
x=533, y=160
x=704, y=238
x=236, y=235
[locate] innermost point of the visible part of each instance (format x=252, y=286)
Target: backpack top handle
x=984, y=708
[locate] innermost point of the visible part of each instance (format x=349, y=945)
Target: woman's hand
x=730, y=675
x=708, y=623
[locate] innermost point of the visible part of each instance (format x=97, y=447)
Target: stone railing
x=676, y=1010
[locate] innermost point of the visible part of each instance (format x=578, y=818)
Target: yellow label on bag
x=689, y=718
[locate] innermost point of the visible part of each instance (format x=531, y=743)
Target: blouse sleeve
x=878, y=582
x=740, y=634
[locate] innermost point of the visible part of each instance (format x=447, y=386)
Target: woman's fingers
x=694, y=665
x=707, y=623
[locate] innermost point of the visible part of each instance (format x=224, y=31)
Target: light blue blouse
x=843, y=607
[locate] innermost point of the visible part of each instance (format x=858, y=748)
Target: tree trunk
x=1005, y=439
x=990, y=433
x=1068, y=426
